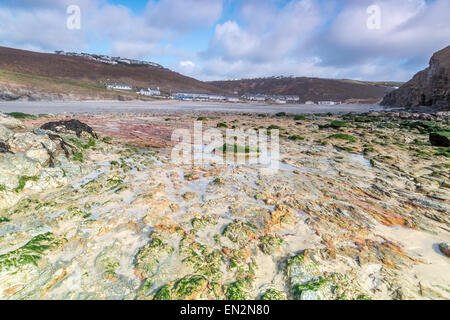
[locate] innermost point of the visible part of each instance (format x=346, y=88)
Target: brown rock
x=429, y=87
x=445, y=249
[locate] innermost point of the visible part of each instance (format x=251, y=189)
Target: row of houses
x=108, y=59
x=149, y=92
x=281, y=99
x=189, y=96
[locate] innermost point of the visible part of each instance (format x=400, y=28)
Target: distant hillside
x=429, y=87
x=32, y=75
x=313, y=89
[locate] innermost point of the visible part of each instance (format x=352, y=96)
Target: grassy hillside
x=314, y=89
x=59, y=74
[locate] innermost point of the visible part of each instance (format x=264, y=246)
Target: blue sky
x=227, y=39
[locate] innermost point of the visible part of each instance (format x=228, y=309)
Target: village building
x=119, y=87
x=149, y=92
x=327, y=103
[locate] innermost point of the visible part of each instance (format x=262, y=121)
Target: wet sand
x=53, y=107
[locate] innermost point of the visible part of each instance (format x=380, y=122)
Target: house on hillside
x=119, y=87
x=149, y=92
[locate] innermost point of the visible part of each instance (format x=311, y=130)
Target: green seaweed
x=343, y=136
x=78, y=157
x=21, y=115
x=30, y=253
x=314, y=285
x=163, y=293
x=23, y=181
x=273, y=294
x=296, y=138
x=237, y=289
x=222, y=125
x=189, y=285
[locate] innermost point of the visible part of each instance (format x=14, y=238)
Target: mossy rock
x=163, y=293
x=299, y=117
x=296, y=138
x=203, y=222
x=301, y=270
x=238, y=289
x=440, y=139
x=273, y=294
x=190, y=287
x=29, y=254
x=336, y=124
x=222, y=125
x=269, y=244
x=150, y=255
x=234, y=148
x=240, y=232
x=312, y=290
x=343, y=136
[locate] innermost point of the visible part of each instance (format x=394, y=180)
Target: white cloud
x=304, y=39
x=260, y=38
x=41, y=25
x=187, y=64
x=271, y=33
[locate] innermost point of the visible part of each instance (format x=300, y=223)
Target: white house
x=309, y=102
x=149, y=92
x=119, y=87
x=327, y=103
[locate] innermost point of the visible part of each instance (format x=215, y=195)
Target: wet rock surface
x=354, y=212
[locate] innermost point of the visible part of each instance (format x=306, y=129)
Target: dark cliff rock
x=430, y=87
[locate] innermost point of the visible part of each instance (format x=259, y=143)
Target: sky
x=235, y=39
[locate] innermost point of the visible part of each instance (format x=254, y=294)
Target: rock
x=440, y=139
x=22, y=142
x=404, y=115
x=189, y=196
x=4, y=148
x=429, y=87
x=10, y=123
x=72, y=125
x=445, y=249
x=5, y=133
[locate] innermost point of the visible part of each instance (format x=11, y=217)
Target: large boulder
x=10, y=123
x=440, y=139
x=5, y=133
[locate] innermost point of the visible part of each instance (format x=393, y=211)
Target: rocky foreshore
x=97, y=210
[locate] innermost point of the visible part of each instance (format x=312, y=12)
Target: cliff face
x=429, y=87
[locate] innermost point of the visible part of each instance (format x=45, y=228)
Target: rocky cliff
x=429, y=87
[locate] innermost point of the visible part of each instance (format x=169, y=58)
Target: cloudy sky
x=227, y=39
